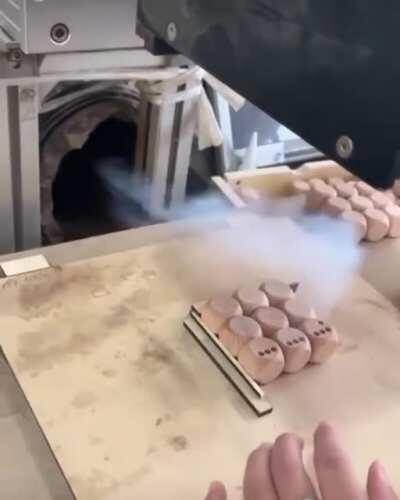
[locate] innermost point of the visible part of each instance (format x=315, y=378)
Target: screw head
x=172, y=32
x=27, y=94
x=15, y=57
x=344, y=147
x=60, y=34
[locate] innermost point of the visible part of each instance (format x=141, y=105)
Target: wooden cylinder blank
x=396, y=188
x=346, y=190
x=334, y=181
x=251, y=299
x=315, y=182
x=318, y=194
x=358, y=222
x=391, y=195
x=298, y=311
x=237, y=332
x=271, y=320
x=217, y=311
x=361, y=203
x=393, y=212
x=323, y=338
x=249, y=194
x=380, y=200
x=296, y=349
x=262, y=359
x=277, y=292
x=378, y=224
x=335, y=206
x=301, y=187
x=364, y=189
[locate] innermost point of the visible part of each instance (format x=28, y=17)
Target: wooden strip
x=196, y=315
x=261, y=406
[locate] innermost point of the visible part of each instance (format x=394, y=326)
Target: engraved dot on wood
x=262, y=368
x=323, y=345
x=298, y=311
x=277, y=292
x=218, y=310
x=271, y=320
x=237, y=332
x=296, y=349
x=251, y=299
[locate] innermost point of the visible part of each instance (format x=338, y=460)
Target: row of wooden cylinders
x=270, y=330
x=374, y=214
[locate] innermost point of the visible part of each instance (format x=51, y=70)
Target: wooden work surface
x=133, y=408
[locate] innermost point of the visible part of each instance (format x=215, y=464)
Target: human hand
x=277, y=472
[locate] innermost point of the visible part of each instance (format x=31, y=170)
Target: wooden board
x=133, y=408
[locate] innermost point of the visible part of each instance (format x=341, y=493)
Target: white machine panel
x=45, y=26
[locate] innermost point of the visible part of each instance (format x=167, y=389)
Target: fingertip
x=325, y=428
x=216, y=491
x=378, y=483
x=257, y=482
x=217, y=486
x=287, y=462
x=324, y=433
x=377, y=470
x=289, y=440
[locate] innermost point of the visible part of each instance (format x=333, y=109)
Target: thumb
x=216, y=491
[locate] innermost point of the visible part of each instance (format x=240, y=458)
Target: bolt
x=27, y=94
x=60, y=33
x=15, y=57
x=172, y=32
x=344, y=147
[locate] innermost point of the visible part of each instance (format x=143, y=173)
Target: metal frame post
x=7, y=219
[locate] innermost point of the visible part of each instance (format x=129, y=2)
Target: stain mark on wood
x=178, y=443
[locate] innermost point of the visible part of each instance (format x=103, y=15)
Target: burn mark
x=155, y=356
x=178, y=443
x=119, y=317
x=39, y=351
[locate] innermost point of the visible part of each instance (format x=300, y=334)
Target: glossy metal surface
x=323, y=68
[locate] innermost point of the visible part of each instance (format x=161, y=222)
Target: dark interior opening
x=85, y=198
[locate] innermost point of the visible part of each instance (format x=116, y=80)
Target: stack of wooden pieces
x=270, y=330
x=374, y=214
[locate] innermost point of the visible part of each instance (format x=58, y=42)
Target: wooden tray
x=275, y=182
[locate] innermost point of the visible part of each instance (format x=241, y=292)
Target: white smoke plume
x=280, y=241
